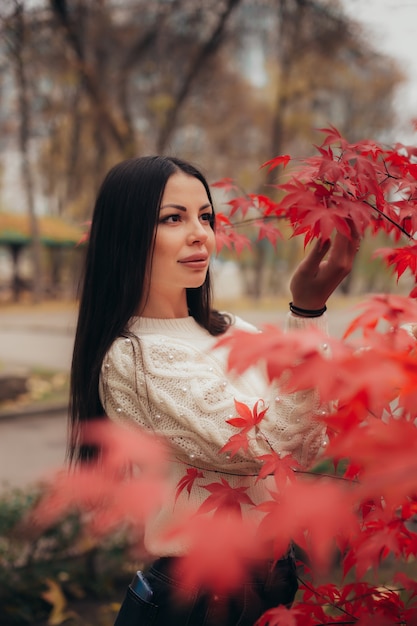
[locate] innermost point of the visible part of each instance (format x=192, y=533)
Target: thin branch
x=327, y=601
x=206, y=51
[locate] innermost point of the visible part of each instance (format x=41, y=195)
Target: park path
x=37, y=337
x=32, y=447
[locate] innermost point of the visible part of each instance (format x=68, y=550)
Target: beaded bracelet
x=307, y=312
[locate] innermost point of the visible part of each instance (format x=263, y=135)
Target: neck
x=159, y=307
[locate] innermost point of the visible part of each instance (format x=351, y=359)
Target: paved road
x=37, y=338
x=31, y=448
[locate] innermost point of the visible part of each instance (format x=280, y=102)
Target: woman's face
x=184, y=241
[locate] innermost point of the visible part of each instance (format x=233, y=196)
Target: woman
x=144, y=354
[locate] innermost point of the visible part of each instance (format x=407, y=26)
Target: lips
x=195, y=258
x=195, y=261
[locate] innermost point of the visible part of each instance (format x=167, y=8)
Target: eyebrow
x=180, y=207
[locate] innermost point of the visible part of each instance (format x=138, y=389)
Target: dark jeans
x=266, y=586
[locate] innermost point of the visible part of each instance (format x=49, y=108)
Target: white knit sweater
x=166, y=377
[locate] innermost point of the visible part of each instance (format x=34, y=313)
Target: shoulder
x=121, y=355
x=237, y=323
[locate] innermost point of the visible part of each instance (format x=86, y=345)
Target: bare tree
x=16, y=40
x=108, y=117
x=206, y=50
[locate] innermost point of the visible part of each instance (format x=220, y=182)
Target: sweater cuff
x=295, y=321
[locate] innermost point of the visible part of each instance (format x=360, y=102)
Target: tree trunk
x=18, y=51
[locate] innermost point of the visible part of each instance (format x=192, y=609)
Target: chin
x=196, y=284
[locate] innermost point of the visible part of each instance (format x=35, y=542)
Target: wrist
x=302, y=312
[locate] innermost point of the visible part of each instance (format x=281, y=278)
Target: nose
x=198, y=233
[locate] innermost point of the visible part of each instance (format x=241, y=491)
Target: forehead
x=180, y=187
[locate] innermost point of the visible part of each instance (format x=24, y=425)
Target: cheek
x=163, y=245
x=211, y=241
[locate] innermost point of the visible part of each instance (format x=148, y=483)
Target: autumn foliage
x=352, y=515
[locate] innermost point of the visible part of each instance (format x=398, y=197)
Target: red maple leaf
x=281, y=349
x=248, y=418
x=281, y=468
x=219, y=551
x=121, y=446
x=221, y=218
x=278, y=616
x=333, y=136
x=187, y=481
x=239, y=242
x=319, y=221
x=242, y=204
x=225, y=498
x=276, y=162
x=394, y=309
x=269, y=231
x=401, y=258
x=352, y=471
x=228, y=184
x=395, y=441
x=235, y=443
x=315, y=514
x=227, y=237
x=406, y=582
x=223, y=239
x=266, y=205
x=111, y=493
x=105, y=500
x=357, y=377
x=374, y=547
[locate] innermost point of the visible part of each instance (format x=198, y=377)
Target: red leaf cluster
x=123, y=488
x=363, y=184
x=220, y=550
x=366, y=515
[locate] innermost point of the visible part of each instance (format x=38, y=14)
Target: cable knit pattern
x=166, y=377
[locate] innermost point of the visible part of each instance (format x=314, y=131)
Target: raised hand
x=322, y=270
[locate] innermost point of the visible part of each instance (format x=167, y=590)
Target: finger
x=311, y=265
x=340, y=259
x=353, y=229
x=355, y=237
x=317, y=253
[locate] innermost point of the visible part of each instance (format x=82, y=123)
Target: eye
x=207, y=217
x=171, y=219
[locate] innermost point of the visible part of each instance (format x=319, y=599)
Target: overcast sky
x=392, y=28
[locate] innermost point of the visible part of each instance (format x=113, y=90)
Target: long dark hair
x=120, y=247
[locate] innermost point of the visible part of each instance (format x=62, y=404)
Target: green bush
x=41, y=570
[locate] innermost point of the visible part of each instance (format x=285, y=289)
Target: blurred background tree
x=227, y=84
